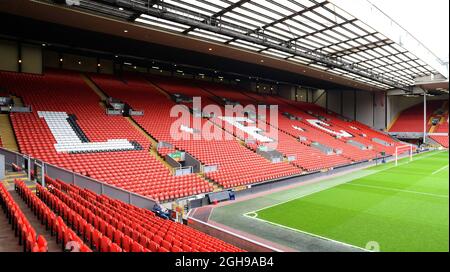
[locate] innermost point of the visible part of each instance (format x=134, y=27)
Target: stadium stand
x=237, y=165
x=297, y=128
x=110, y=225
x=299, y=109
x=27, y=236
x=80, y=135
x=52, y=222
x=411, y=119
x=133, y=169
x=85, y=134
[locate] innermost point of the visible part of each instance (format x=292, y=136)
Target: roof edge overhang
x=71, y=17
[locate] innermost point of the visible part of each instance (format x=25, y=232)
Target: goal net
x=403, y=150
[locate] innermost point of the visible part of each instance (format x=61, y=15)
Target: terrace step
x=94, y=87
x=159, y=89
x=7, y=136
x=36, y=224
x=8, y=241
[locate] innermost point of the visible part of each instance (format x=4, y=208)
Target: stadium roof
x=313, y=33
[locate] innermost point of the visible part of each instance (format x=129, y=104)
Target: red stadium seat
x=136, y=247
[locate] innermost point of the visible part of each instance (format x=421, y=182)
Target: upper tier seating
x=296, y=129
x=307, y=158
x=360, y=132
x=411, y=119
x=111, y=225
x=65, y=92
x=237, y=165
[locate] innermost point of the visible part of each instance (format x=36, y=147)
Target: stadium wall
x=320, y=97
x=348, y=104
x=30, y=57
x=297, y=93
x=52, y=59
x=334, y=101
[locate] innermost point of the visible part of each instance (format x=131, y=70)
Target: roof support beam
x=379, y=21
x=315, y=56
x=220, y=13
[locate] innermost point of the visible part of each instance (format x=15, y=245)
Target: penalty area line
x=305, y=232
x=440, y=169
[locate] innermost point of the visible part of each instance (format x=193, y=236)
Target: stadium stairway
x=8, y=242
x=154, y=152
x=154, y=143
x=36, y=224
x=8, y=139
x=162, y=91
x=8, y=181
x=94, y=87
x=103, y=97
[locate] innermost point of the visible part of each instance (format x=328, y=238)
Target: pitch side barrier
x=79, y=180
x=230, y=237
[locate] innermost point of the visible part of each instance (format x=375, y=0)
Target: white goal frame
x=403, y=147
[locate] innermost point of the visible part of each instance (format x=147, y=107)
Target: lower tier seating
x=111, y=225
x=52, y=222
x=27, y=236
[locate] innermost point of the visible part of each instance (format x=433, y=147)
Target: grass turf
x=403, y=208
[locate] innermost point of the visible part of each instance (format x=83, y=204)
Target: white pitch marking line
x=305, y=232
x=440, y=169
x=323, y=189
x=255, y=214
x=395, y=190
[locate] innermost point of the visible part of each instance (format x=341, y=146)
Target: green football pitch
x=395, y=208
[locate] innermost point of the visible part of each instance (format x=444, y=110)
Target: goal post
x=399, y=150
